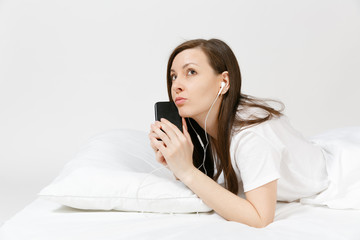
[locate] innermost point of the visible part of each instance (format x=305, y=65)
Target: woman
x=247, y=145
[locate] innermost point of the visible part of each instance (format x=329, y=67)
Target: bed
x=113, y=189
x=46, y=220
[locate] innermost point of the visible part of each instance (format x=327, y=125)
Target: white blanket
x=342, y=151
x=44, y=220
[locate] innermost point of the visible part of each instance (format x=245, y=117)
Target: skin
x=195, y=80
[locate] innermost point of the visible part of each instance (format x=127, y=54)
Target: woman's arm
x=175, y=151
x=257, y=210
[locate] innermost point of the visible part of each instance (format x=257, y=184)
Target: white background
x=70, y=69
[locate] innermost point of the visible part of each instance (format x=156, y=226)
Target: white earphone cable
x=206, y=137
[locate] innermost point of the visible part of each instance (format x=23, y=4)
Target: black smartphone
x=169, y=111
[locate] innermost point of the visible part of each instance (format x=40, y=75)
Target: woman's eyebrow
x=185, y=65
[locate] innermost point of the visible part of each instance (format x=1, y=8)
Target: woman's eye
x=191, y=72
x=173, y=77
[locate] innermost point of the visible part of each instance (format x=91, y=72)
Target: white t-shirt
x=274, y=150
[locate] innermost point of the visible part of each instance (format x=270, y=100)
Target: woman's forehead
x=189, y=56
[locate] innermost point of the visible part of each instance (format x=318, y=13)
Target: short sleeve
x=257, y=160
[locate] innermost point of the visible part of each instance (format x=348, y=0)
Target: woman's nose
x=178, y=86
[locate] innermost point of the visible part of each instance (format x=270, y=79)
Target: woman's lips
x=180, y=101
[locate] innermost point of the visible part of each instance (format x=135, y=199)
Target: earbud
x=222, y=86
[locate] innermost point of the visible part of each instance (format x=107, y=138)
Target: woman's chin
x=184, y=114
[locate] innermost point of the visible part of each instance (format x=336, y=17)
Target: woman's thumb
x=185, y=129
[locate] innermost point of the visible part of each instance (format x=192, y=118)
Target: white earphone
x=207, y=140
x=222, y=87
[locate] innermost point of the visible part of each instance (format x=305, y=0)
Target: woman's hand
x=175, y=150
x=158, y=155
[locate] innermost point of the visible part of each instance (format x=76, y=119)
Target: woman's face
x=194, y=84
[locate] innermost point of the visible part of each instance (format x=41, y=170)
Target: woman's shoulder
x=277, y=132
x=253, y=113
x=272, y=131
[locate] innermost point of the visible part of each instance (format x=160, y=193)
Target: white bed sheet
x=48, y=220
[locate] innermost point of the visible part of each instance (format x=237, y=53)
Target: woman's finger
x=160, y=158
x=153, y=134
x=181, y=138
x=185, y=130
x=153, y=146
x=175, y=132
x=156, y=144
x=162, y=135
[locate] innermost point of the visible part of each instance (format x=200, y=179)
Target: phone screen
x=169, y=111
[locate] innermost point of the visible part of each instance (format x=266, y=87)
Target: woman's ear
x=225, y=78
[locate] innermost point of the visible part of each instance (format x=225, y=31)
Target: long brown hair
x=221, y=58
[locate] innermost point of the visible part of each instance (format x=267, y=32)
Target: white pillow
x=117, y=170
